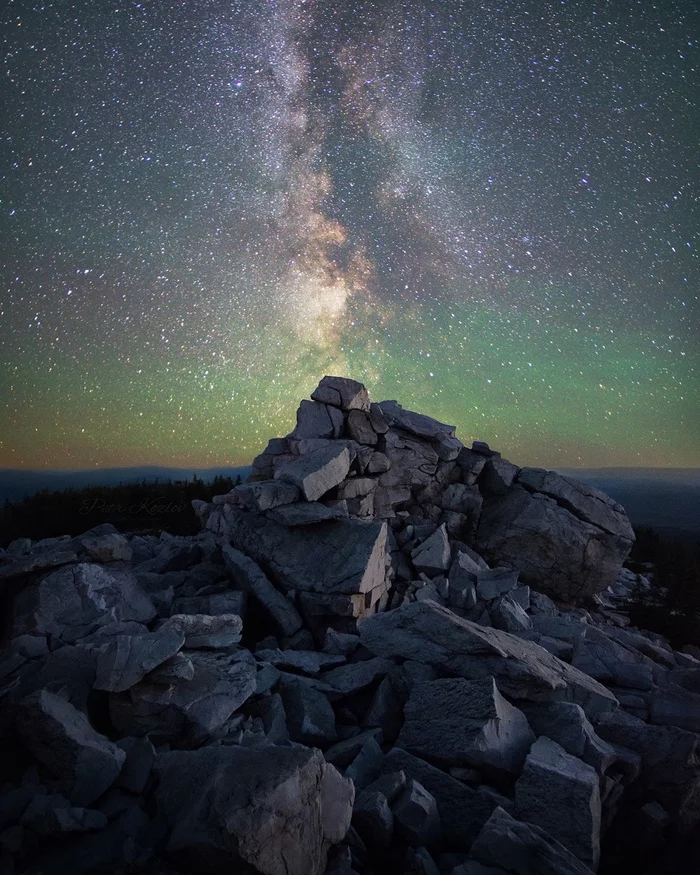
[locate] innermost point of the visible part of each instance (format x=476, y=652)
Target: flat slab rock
x=346, y=556
x=278, y=809
x=430, y=633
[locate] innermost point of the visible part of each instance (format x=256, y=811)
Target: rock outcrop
x=384, y=653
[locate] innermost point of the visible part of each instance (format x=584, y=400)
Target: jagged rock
x=498, y=475
x=127, y=659
x=345, y=557
x=675, y=706
x=367, y=765
x=172, y=671
x=307, y=661
x=316, y=420
x=453, y=721
x=378, y=463
x=560, y=794
x=278, y=809
x=264, y=494
x=433, y=555
x=463, y=811
x=494, y=582
x=72, y=602
x=354, y=676
x=343, y=393
x=415, y=423
x=584, y=501
x=430, y=633
x=342, y=753
x=523, y=848
x=357, y=487
x=251, y=578
x=107, y=547
x=203, y=632
x=359, y=428
x=554, y=550
x=339, y=643
x=506, y=614
x=670, y=763
x=308, y=513
x=36, y=562
x=190, y=710
x=373, y=819
x=310, y=717
x=61, y=738
x=416, y=815
x=567, y=724
x=318, y=472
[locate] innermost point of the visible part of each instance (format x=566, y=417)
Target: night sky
x=487, y=211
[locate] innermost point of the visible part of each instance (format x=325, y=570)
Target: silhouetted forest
x=146, y=506
x=672, y=606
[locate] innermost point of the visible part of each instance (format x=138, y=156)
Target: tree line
x=143, y=506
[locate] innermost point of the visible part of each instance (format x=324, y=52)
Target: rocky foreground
x=384, y=653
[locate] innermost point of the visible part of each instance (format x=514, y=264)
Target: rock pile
x=374, y=658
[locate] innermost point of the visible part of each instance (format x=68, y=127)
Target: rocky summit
x=386, y=653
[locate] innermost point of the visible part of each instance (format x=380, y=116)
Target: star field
x=486, y=210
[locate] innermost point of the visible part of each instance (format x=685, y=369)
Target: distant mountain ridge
x=16, y=483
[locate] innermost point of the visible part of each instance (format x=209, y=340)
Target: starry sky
x=485, y=210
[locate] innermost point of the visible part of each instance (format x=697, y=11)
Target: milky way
x=487, y=211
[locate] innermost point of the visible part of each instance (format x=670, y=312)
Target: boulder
x=463, y=811
x=347, y=556
x=251, y=578
x=186, y=710
x=416, y=815
x=554, y=550
x=308, y=513
x=359, y=428
x=455, y=722
x=310, y=718
x=433, y=555
x=318, y=472
x=522, y=848
x=432, y=634
x=373, y=819
x=560, y=794
x=264, y=494
x=277, y=809
x=127, y=659
x=202, y=632
x=84, y=762
x=343, y=393
x=72, y=602
x=316, y=420
x=415, y=423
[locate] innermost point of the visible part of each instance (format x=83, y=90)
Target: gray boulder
x=310, y=718
x=318, y=472
x=433, y=555
x=343, y=393
x=560, y=794
x=264, y=494
x=277, y=809
x=523, y=848
x=203, y=632
x=554, y=550
x=416, y=815
x=457, y=722
x=308, y=513
x=84, y=762
x=186, y=710
x=415, y=423
x=250, y=577
x=127, y=659
x=432, y=634
x=347, y=556
x=316, y=420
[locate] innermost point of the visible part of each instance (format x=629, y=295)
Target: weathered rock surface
x=455, y=722
x=278, y=809
x=430, y=633
x=560, y=794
